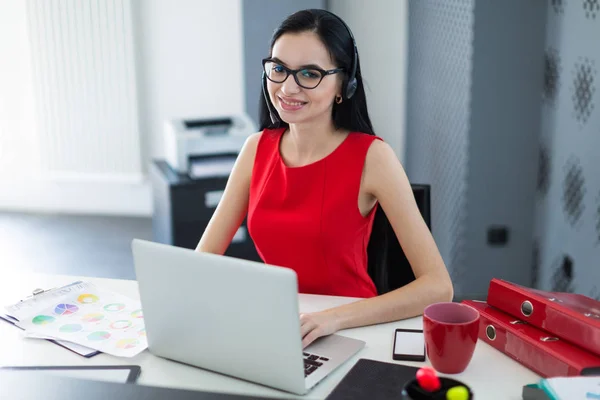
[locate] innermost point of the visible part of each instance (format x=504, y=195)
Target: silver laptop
x=232, y=316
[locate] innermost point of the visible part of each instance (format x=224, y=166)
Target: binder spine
x=534, y=348
x=521, y=350
x=545, y=315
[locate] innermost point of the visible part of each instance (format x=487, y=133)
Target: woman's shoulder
x=380, y=156
x=253, y=140
x=267, y=135
x=377, y=150
x=363, y=136
x=372, y=146
x=371, y=143
x=260, y=145
x=251, y=143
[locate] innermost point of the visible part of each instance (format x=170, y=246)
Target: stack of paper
x=564, y=388
x=572, y=388
x=81, y=314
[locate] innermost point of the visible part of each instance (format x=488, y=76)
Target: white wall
x=190, y=63
x=18, y=147
x=69, y=119
x=381, y=31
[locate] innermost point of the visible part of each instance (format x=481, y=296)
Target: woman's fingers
x=311, y=337
x=306, y=326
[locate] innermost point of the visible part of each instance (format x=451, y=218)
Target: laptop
x=232, y=316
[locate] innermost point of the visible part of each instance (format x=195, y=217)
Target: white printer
x=206, y=146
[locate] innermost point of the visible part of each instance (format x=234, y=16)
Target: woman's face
x=294, y=103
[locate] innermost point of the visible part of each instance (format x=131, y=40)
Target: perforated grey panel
x=439, y=82
x=568, y=207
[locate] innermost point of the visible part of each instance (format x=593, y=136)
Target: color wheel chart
x=127, y=343
x=87, y=298
x=100, y=335
x=122, y=324
x=65, y=309
x=71, y=328
x=93, y=317
x=114, y=307
x=43, y=320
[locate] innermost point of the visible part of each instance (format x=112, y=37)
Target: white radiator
x=82, y=56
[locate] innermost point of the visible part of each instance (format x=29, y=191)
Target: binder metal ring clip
x=490, y=332
x=549, y=339
x=526, y=308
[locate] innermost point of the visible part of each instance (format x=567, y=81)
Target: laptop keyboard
x=312, y=362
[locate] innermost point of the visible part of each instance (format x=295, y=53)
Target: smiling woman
x=316, y=78
x=316, y=181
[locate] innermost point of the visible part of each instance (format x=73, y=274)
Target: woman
x=310, y=183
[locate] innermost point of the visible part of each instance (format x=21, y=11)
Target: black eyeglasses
x=308, y=77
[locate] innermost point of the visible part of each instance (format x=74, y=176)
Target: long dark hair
x=351, y=114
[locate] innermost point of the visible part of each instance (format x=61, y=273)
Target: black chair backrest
x=388, y=266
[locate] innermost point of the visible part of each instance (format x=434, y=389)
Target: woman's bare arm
x=233, y=206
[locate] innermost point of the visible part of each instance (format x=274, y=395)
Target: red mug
x=451, y=331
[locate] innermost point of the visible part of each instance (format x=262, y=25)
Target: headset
x=350, y=83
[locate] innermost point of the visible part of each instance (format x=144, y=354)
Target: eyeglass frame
x=293, y=72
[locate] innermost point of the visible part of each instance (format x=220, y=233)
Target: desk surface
x=490, y=374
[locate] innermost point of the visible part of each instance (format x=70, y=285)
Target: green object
x=457, y=393
x=42, y=320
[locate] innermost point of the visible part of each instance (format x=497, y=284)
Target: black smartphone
x=409, y=345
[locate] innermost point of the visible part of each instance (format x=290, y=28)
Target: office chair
x=388, y=266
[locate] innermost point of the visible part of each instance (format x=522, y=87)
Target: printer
x=202, y=147
x=188, y=184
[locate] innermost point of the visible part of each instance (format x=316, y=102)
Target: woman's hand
x=315, y=325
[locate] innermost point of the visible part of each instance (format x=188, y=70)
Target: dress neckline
x=314, y=163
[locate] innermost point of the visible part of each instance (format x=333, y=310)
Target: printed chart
x=88, y=316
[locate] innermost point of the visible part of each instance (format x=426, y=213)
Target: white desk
x=490, y=374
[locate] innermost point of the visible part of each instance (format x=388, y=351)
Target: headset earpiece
x=351, y=83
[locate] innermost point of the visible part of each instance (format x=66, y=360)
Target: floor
x=95, y=246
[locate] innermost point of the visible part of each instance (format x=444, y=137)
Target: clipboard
x=75, y=348
x=39, y=291
x=118, y=373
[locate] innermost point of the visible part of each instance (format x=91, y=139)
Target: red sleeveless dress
x=307, y=218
